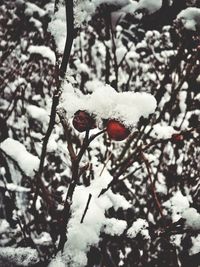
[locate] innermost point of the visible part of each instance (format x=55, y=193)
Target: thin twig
x=152, y=186
x=86, y=208
x=56, y=96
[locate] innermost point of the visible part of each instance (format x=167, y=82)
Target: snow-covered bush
x=70, y=193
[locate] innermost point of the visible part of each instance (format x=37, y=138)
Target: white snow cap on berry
x=105, y=103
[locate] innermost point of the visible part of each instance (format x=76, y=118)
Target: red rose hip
x=83, y=121
x=116, y=130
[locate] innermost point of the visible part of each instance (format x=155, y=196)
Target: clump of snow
x=19, y=256
x=44, y=51
x=182, y=102
x=151, y=6
x=162, y=131
x=190, y=17
x=130, y=8
x=39, y=114
x=17, y=151
x=195, y=245
x=57, y=262
x=179, y=206
x=57, y=27
x=139, y=226
x=4, y=226
x=33, y=8
x=13, y=187
x=43, y=238
x=82, y=11
x=83, y=235
x=126, y=107
x=117, y=3
x=114, y=226
x=192, y=218
x=120, y=53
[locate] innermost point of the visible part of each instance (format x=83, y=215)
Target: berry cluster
x=116, y=130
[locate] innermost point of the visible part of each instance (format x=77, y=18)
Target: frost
x=126, y=107
x=17, y=151
x=19, y=256
x=44, y=51
x=190, y=17
x=139, y=226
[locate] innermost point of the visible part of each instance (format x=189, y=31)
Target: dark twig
x=152, y=185
x=67, y=132
x=86, y=208
x=56, y=96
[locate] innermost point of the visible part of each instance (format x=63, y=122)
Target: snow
x=126, y=107
x=190, y=17
x=13, y=187
x=179, y=206
x=120, y=53
x=195, y=245
x=39, y=114
x=139, y=226
x=192, y=218
x=19, y=256
x=44, y=51
x=82, y=236
x=83, y=10
x=57, y=262
x=151, y=6
x=17, y=151
x=57, y=27
x=162, y=131
x=4, y=225
x=118, y=3
x=33, y=8
x=130, y=8
x=43, y=239
x=114, y=226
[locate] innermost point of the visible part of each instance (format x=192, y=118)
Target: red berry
x=83, y=121
x=116, y=130
x=177, y=137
